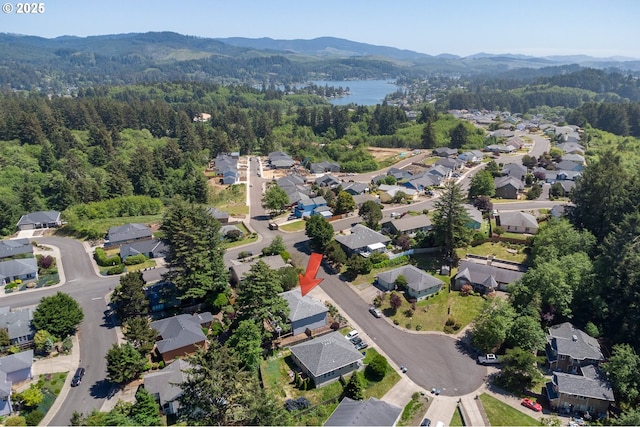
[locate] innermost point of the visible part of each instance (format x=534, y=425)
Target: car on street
x=375, y=311
x=356, y=340
x=436, y=391
x=77, y=378
x=425, y=423
x=351, y=334
x=362, y=345
x=531, y=404
x=403, y=369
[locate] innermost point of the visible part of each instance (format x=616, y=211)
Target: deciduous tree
x=493, y=323
x=344, y=203
x=319, y=231
x=371, y=212
x=275, y=199
x=482, y=185
x=246, y=340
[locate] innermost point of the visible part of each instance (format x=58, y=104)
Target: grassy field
x=501, y=414
x=103, y=225
x=456, y=420
x=293, y=226
x=501, y=250
x=232, y=198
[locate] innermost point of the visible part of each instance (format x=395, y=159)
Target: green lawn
x=293, y=226
x=456, y=420
x=501, y=414
x=101, y=226
x=232, y=199
x=501, y=250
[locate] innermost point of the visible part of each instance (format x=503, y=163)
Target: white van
x=439, y=424
x=351, y=334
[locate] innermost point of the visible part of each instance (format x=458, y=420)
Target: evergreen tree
x=124, y=363
x=355, y=387
x=129, y=298
x=371, y=212
x=58, y=314
x=450, y=219
x=246, y=340
x=139, y=333
x=459, y=136
x=320, y=233
x=428, y=137
x=196, y=264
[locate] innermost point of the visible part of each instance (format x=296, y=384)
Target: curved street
x=432, y=359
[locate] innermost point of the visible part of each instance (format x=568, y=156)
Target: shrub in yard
x=45, y=262
x=135, y=259
x=117, y=269
x=466, y=290
x=335, y=326
x=377, y=367
x=297, y=404
x=15, y=420
x=103, y=261
x=33, y=418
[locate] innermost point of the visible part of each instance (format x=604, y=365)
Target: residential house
x=514, y=170
x=408, y=224
x=500, y=148
x=164, y=385
x=154, y=248
x=440, y=171
x=503, y=133
x=361, y=198
x=128, y=233
x=567, y=165
x=328, y=181
x=18, y=326
x=294, y=186
x=420, y=284
x=324, y=167
x=473, y=156
x=399, y=174
x=304, y=312
x=568, y=348
x=18, y=269
x=571, y=148
x=424, y=181
x=239, y=269
x=355, y=188
x=325, y=359
x=14, y=368
x=226, y=166
x=565, y=175
x=377, y=179
x=508, y=187
x=15, y=247
x=515, y=141
x=475, y=217
x=307, y=204
x=450, y=163
x=567, y=186
x=180, y=335
x=280, y=160
x=445, y=152
x=590, y=392
x=371, y=412
x=221, y=216
x=40, y=219
x=518, y=222
x=485, y=277
x=362, y=240
x=575, y=158
x=389, y=192
x=230, y=177
x=324, y=211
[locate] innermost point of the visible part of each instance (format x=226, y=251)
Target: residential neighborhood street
x=434, y=360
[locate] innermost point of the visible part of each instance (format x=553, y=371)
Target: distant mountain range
x=28, y=61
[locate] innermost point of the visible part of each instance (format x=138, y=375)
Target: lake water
x=362, y=92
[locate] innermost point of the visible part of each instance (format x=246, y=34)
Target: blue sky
x=463, y=27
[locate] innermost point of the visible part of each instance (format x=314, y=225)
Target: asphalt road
x=433, y=360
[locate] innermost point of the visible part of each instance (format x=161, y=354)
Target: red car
x=531, y=404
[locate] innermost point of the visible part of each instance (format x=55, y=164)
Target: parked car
x=356, y=340
x=403, y=369
x=375, y=311
x=436, y=391
x=77, y=378
x=425, y=423
x=531, y=404
x=362, y=345
x=351, y=334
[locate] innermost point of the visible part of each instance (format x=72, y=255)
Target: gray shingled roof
x=508, y=180
x=275, y=262
x=488, y=275
x=592, y=384
x=218, y=214
x=302, y=307
x=178, y=331
x=518, y=219
x=17, y=362
x=143, y=247
x=411, y=222
x=17, y=323
x=165, y=381
x=326, y=353
x=567, y=339
x=360, y=237
x=372, y=412
x=9, y=248
x=129, y=232
x=17, y=267
x=417, y=279
x=40, y=217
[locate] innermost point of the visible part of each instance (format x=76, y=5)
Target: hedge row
x=103, y=261
x=135, y=259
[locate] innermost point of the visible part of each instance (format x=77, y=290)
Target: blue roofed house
x=15, y=247
x=304, y=312
x=307, y=204
x=324, y=359
x=420, y=284
x=18, y=269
